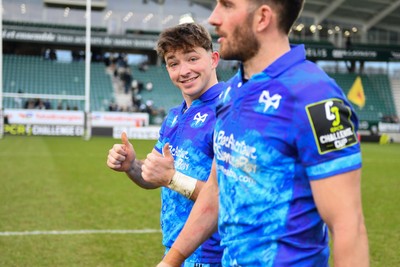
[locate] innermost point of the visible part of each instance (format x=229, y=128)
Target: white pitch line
x=81, y=232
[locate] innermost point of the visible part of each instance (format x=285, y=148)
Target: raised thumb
x=166, y=151
x=124, y=139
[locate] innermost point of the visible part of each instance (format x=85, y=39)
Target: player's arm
x=122, y=158
x=338, y=200
x=159, y=170
x=201, y=224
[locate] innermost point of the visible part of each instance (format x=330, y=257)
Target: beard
x=243, y=45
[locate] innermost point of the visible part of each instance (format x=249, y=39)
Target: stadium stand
x=378, y=94
x=225, y=74
x=395, y=84
x=51, y=26
x=163, y=92
x=129, y=27
x=36, y=75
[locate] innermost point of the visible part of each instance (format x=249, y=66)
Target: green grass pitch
x=63, y=184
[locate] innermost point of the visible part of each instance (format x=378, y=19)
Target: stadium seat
x=36, y=75
x=378, y=94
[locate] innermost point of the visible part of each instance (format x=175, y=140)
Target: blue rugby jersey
x=190, y=135
x=284, y=127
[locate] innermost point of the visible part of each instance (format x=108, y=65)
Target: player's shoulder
x=308, y=82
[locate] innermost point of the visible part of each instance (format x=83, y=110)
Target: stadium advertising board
x=98, y=4
x=44, y=117
x=54, y=37
x=113, y=123
x=43, y=122
x=50, y=130
x=379, y=127
x=148, y=133
x=385, y=127
x=355, y=54
x=77, y=39
x=71, y=123
x=112, y=119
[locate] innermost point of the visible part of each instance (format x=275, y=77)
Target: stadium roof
x=382, y=14
x=365, y=15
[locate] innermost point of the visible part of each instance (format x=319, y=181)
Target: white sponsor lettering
x=112, y=119
x=243, y=154
x=236, y=146
x=181, y=158
x=329, y=115
x=337, y=53
x=147, y=133
x=332, y=137
x=57, y=130
x=236, y=177
x=179, y=152
x=340, y=143
x=48, y=117
x=389, y=127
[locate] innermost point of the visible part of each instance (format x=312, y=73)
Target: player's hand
x=159, y=169
x=121, y=156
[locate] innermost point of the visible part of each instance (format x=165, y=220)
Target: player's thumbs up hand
x=158, y=169
x=130, y=152
x=167, y=153
x=125, y=141
x=121, y=156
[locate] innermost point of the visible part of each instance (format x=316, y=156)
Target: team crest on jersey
x=269, y=101
x=199, y=120
x=331, y=125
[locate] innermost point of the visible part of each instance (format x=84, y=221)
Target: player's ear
x=263, y=17
x=215, y=59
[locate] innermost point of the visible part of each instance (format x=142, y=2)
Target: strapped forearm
x=183, y=184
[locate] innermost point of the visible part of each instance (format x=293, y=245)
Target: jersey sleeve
x=327, y=134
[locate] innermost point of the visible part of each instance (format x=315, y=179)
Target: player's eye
x=171, y=65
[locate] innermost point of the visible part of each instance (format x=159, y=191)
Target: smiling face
x=193, y=71
x=189, y=57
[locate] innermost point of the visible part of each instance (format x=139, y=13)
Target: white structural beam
x=88, y=56
x=328, y=10
x=378, y=17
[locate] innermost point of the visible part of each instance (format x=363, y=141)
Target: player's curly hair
x=183, y=37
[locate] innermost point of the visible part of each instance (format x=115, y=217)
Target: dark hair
x=183, y=37
x=288, y=11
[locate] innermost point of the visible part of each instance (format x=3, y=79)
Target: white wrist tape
x=183, y=184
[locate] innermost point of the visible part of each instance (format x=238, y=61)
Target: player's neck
x=270, y=50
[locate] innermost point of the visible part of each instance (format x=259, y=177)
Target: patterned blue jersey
x=284, y=127
x=190, y=135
